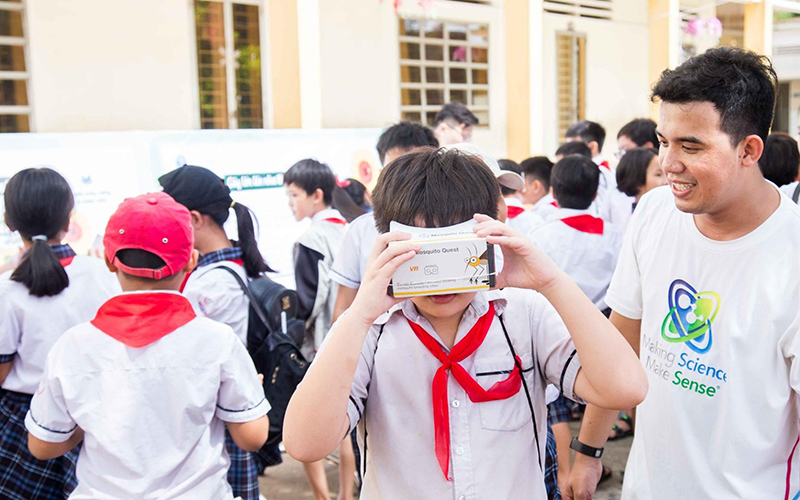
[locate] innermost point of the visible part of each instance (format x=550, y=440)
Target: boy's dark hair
x=356, y=191
x=406, y=136
x=140, y=259
x=538, y=167
x=781, y=159
x=574, y=148
x=310, y=175
x=739, y=83
x=640, y=131
x=38, y=202
x=632, y=169
x=574, y=181
x=435, y=187
x=511, y=166
x=587, y=132
x=457, y=112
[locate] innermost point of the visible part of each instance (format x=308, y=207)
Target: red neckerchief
x=585, y=223
x=514, y=211
x=477, y=394
x=139, y=319
x=186, y=278
x=554, y=203
x=335, y=220
x=605, y=164
x=66, y=261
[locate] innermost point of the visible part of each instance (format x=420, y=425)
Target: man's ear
x=752, y=147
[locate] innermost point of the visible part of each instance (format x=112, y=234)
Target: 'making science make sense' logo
x=688, y=323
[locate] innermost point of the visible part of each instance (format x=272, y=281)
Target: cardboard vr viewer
x=450, y=260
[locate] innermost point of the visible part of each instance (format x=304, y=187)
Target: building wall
x=617, y=89
x=111, y=65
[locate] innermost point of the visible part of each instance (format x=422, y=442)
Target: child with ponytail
x=50, y=291
x=217, y=294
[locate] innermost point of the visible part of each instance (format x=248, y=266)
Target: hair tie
x=342, y=184
x=39, y=237
x=233, y=203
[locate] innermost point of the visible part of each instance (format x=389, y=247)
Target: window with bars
x=591, y=9
x=440, y=62
x=571, y=79
x=229, y=64
x=15, y=110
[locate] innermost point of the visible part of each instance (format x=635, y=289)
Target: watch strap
x=585, y=449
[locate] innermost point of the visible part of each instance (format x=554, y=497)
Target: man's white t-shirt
x=719, y=342
x=351, y=261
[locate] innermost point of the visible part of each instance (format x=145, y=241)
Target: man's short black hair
x=574, y=148
x=574, y=181
x=537, y=167
x=511, y=166
x=587, y=132
x=457, y=112
x=310, y=175
x=434, y=187
x=739, y=83
x=781, y=159
x=640, y=131
x=405, y=136
x=632, y=170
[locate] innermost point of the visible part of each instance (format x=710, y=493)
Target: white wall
x=616, y=72
x=111, y=65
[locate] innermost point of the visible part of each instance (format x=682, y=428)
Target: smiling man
x=707, y=292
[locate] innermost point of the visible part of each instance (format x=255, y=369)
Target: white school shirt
x=520, y=219
x=612, y=204
x=545, y=206
x=152, y=416
x=29, y=326
x=789, y=189
x=217, y=295
x=588, y=258
x=493, y=446
x=350, y=263
x=719, y=343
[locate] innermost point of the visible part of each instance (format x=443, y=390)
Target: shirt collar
x=563, y=213
x=514, y=202
x=62, y=251
x=544, y=200
x=476, y=308
x=328, y=213
x=231, y=253
x=599, y=158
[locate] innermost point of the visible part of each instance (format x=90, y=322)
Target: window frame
x=578, y=79
x=230, y=70
x=24, y=42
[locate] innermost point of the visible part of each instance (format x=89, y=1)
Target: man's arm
x=596, y=423
x=45, y=450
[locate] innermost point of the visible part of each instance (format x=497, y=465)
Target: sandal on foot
x=620, y=433
x=606, y=474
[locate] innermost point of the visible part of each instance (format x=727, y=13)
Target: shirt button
x=459, y=450
x=456, y=403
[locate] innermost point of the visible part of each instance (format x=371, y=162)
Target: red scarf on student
x=336, y=220
x=585, y=223
x=514, y=211
x=139, y=319
x=477, y=394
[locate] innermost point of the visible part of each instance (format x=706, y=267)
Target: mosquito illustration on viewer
x=478, y=263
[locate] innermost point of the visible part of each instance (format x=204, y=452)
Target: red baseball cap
x=154, y=223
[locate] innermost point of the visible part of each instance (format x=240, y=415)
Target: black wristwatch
x=585, y=449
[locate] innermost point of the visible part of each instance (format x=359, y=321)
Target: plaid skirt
x=22, y=476
x=551, y=467
x=559, y=411
x=243, y=473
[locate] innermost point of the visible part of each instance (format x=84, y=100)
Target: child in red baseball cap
x=147, y=385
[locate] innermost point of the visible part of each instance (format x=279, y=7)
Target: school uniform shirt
x=583, y=246
x=314, y=252
x=720, y=340
x=216, y=294
x=350, y=263
x=494, y=451
x=519, y=218
x=789, y=189
x=545, y=206
x=612, y=204
x=29, y=326
x=153, y=415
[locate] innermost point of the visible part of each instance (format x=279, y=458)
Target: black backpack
x=274, y=336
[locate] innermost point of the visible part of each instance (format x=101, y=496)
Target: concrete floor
x=287, y=481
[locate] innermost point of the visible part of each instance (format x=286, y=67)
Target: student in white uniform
x=707, y=292
x=148, y=385
x=50, y=291
x=484, y=357
x=309, y=186
x=536, y=172
x=522, y=220
x=780, y=163
x=215, y=293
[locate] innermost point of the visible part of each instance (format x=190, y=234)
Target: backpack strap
x=796, y=194
x=246, y=289
x=525, y=386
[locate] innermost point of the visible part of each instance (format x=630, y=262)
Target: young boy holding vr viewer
x=449, y=388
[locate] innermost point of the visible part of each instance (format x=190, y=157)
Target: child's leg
x=315, y=474
x=347, y=469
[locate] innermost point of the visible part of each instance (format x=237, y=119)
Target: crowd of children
x=130, y=377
